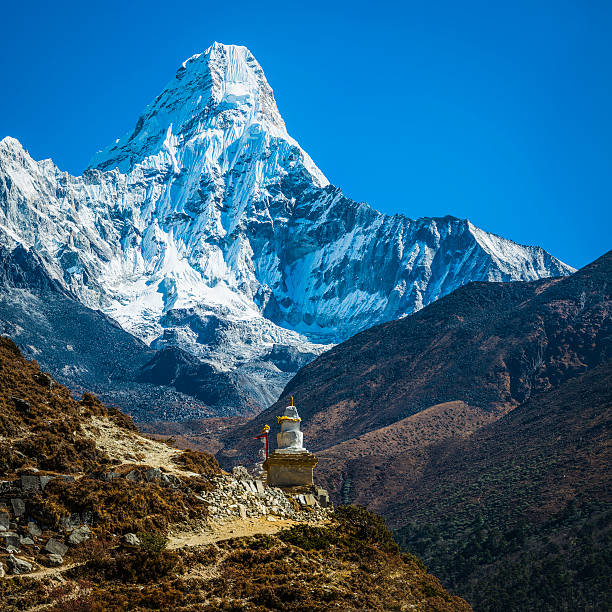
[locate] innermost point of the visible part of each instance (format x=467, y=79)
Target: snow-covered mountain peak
x=218, y=106
x=11, y=146
x=9, y=141
x=210, y=228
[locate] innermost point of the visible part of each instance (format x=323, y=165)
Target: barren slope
x=518, y=516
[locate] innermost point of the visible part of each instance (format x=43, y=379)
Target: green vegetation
x=564, y=563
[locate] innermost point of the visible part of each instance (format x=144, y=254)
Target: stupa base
x=290, y=469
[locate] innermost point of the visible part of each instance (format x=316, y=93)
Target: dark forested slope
x=518, y=516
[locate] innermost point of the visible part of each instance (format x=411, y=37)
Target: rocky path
x=51, y=571
x=238, y=528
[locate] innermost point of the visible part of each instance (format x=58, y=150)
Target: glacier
x=209, y=228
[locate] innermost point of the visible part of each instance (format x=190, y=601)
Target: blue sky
x=494, y=111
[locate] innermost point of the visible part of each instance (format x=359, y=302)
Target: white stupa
x=290, y=439
x=290, y=465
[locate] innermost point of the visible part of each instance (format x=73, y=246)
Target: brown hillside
x=544, y=453
x=519, y=515
x=489, y=345
x=41, y=423
x=87, y=506
x=377, y=468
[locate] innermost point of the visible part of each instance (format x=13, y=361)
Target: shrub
x=198, y=462
x=138, y=567
x=152, y=543
x=366, y=527
x=118, y=506
x=307, y=537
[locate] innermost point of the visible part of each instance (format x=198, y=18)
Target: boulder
x=34, y=530
x=242, y=511
x=133, y=476
x=54, y=559
x=71, y=522
x=131, y=539
x=22, y=405
x=56, y=547
x=18, y=566
x=30, y=483
x=2, y=571
x=322, y=497
x=260, y=487
x=153, y=474
x=9, y=539
x=79, y=535
x=4, y=521
x=44, y=380
x=310, y=499
x=19, y=506
x=44, y=481
x=26, y=541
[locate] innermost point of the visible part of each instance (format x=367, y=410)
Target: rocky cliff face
x=208, y=227
x=86, y=349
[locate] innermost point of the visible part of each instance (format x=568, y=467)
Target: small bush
x=138, y=567
x=198, y=462
x=409, y=558
x=307, y=537
x=152, y=543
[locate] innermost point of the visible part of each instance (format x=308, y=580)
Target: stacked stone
x=238, y=495
x=241, y=496
x=21, y=538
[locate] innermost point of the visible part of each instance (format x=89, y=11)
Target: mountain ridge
x=207, y=227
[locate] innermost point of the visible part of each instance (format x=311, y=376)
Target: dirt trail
x=50, y=571
x=215, y=532
x=208, y=534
